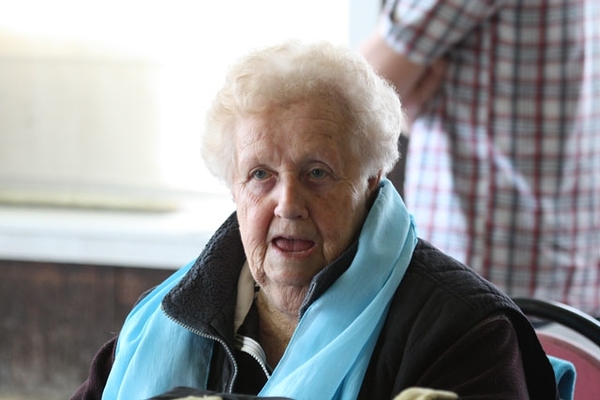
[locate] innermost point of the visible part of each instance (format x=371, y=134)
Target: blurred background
x=102, y=190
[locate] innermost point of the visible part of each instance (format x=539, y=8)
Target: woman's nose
x=291, y=202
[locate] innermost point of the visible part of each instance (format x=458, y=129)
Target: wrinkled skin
x=301, y=197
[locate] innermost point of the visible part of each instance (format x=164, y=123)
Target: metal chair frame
x=563, y=314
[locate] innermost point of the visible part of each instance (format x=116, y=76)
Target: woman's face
x=300, y=196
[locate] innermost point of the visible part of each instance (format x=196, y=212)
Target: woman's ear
x=374, y=181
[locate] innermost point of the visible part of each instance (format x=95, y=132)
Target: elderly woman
x=317, y=287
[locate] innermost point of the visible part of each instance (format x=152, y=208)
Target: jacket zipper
x=214, y=338
x=255, y=350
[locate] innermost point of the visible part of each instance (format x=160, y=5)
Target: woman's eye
x=318, y=173
x=260, y=174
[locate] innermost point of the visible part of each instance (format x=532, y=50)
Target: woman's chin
x=293, y=270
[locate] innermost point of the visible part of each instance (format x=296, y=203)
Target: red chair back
x=586, y=362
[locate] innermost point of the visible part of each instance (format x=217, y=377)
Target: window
x=102, y=102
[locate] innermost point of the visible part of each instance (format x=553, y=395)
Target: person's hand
x=417, y=393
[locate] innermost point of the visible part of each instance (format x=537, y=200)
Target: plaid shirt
x=503, y=169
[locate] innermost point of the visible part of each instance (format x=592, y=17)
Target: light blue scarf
x=155, y=354
x=329, y=352
x=332, y=345
x=565, y=374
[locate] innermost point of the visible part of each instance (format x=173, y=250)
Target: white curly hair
x=295, y=72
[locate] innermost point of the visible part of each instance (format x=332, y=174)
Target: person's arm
x=486, y=363
x=100, y=368
x=415, y=84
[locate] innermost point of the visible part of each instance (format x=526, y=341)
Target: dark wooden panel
x=53, y=318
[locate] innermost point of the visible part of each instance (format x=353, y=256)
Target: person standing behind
x=503, y=166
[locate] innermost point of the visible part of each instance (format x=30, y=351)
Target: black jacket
x=447, y=328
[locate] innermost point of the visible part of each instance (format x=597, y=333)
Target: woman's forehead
x=294, y=122
x=297, y=137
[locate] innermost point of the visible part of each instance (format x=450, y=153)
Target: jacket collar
x=205, y=299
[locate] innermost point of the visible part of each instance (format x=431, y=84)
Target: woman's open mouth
x=293, y=245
